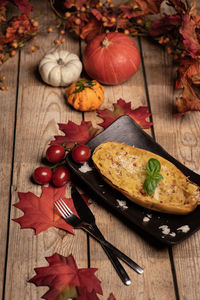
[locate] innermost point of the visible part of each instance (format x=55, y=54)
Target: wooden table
x=30, y=111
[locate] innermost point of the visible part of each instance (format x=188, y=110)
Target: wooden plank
x=184, y=135
x=7, y=128
x=7, y=123
x=40, y=108
x=151, y=285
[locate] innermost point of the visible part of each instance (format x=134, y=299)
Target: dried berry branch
x=178, y=31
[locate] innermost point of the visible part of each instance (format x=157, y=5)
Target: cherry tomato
x=81, y=153
x=55, y=153
x=42, y=175
x=60, y=176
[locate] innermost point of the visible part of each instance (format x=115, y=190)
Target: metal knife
x=87, y=216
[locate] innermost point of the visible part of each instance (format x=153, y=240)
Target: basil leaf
x=157, y=177
x=154, y=165
x=150, y=185
x=153, y=177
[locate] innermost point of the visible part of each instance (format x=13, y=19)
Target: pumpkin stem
x=105, y=43
x=60, y=61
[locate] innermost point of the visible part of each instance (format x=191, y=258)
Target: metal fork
x=73, y=220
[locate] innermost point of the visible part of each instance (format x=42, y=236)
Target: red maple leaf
x=111, y=297
x=121, y=108
x=40, y=212
x=65, y=280
x=190, y=39
x=74, y=133
x=24, y=6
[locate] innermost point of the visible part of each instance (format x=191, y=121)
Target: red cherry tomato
x=81, y=153
x=42, y=175
x=60, y=176
x=55, y=153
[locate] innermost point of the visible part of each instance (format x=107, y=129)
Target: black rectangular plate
x=125, y=130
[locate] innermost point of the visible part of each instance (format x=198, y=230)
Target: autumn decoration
x=39, y=212
x=66, y=281
x=111, y=58
x=60, y=68
x=85, y=95
x=176, y=28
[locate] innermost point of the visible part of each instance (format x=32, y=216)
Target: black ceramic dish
x=127, y=131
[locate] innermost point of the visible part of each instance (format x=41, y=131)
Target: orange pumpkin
x=85, y=95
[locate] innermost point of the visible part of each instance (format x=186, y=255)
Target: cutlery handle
x=116, y=251
x=113, y=258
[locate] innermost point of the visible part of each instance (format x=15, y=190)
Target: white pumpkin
x=60, y=68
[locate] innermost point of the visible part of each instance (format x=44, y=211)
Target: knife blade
x=82, y=208
x=87, y=216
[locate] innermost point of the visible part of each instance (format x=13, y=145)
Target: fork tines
x=62, y=207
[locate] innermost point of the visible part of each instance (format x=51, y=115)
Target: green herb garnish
x=153, y=177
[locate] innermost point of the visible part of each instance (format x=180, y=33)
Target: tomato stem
x=57, y=165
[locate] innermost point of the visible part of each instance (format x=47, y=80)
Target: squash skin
x=85, y=95
x=60, y=68
x=111, y=58
x=123, y=167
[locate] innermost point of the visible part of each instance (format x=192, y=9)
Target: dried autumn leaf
x=2, y=12
x=190, y=100
x=75, y=134
x=74, y=3
x=40, y=212
x=189, y=81
x=196, y=79
x=184, y=65
x=165, y=25
x=23, y=23
x=124, y=23
x=3, y=2
x=179, y=5
x=190, y=38
x=91, y=29
x=65, y=280
x=24, y=6
x=2, y=37
x=121, y=108
x=140, y=8
x=97, y=14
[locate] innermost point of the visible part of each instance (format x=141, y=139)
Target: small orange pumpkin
x=85, y=95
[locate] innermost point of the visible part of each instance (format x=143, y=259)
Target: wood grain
x=7, y=125
x=40, y=108
x=180, y=137
x=152, y=284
